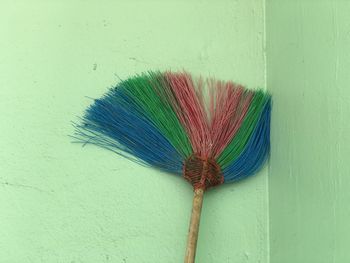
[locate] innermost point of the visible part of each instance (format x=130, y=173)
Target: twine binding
x=202, y=173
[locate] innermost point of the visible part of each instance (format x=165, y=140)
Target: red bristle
x=209, y=131
x=227, y=112
x=191, y=112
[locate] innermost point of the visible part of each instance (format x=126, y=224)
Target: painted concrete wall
x=308, y=73
x=63, y=203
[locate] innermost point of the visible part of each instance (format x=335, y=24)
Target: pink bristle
x=191, y=112
x=210, y=130
x=227, y=112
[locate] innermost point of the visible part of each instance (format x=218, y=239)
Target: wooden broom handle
x=194, y=226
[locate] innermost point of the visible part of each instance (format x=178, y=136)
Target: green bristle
x=238, y=142
x=144, y=90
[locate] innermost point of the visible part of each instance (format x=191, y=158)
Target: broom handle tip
x=194, y=226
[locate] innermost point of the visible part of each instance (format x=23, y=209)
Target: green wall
x=308, y=74
x=63, y=203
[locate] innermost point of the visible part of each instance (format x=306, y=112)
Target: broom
x=208, y=131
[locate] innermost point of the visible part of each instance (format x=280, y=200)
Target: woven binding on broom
x=202, y=173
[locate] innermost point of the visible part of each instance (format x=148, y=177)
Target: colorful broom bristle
x=180, y=125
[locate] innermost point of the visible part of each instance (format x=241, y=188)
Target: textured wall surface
x=308, y=66
x=63, y=203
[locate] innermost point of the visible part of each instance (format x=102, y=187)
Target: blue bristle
x=116, y=124
x=256, y=151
